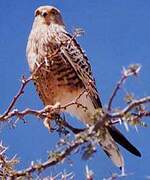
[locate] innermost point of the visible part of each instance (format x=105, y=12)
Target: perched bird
x=65, y=73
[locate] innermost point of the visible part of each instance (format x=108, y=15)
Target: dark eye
x=37, y=12
x=54, y=12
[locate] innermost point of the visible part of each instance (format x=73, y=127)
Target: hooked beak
x=44, y=14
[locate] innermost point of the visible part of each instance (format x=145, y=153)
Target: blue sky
x=117, y=33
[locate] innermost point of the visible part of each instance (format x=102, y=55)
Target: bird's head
x=48, y=15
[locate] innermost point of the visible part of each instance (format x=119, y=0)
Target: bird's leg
x=51, y=111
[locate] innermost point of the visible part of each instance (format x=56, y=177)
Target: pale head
x=48, y=15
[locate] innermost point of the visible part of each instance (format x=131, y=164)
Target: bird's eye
x=37, y=12
x=54, y=12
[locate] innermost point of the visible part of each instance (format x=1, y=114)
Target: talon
x=53, y=109
x=46, y=123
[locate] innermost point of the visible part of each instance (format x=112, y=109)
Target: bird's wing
x=72, y=53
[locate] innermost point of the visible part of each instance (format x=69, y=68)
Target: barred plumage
x=66, y=73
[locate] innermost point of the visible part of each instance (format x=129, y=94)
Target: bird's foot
x=51, y=111
x=53, y=108
x=47, y=124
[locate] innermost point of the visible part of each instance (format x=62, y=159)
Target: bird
x=66, y=75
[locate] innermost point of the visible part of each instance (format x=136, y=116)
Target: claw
x=51, y=112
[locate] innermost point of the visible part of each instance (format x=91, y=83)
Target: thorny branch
x=132, y=70
x=55, y=157
x=131, y=106
x=14, y=100
x=58, y=157
x=83, y=135
x=128, y=115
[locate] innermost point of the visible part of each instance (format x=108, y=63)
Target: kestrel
x=66, y=73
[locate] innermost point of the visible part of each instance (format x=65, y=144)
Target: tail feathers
x=120, y=139
x=111, y=149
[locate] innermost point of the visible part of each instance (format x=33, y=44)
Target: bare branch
x=20, y=92
x=118, y=85
x=132, y=70
x=56, y=158
x=49, y=113
x=132, y=105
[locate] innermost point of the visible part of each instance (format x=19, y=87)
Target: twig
x=117, y=87
x=58, y=157
x=143, y=114
x=132, y=70
x=75, y=102
x=39, y=114
x=76, y=33
x=132, y=105
x=20, y=92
